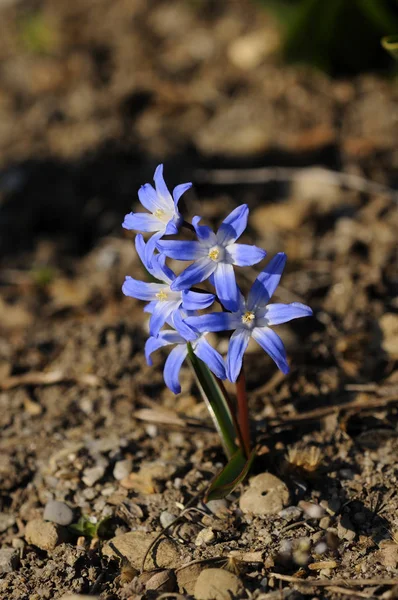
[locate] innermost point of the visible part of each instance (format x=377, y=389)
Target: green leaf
x=390, y=43
x=231, y=476
x=216, y=403
x=92, y=530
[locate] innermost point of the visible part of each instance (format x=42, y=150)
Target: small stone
x=389, y=327
x=92, y=475
x=205, y=536
x=267, y=495
x=187, y=577
x=324, y=564
x=17, y=543
x=9, y=560
x=320, y=548
x=163, y=581
x=217, y=584
x=6, y=521
x=291, y=513
x=388, y=553
x=324, y=523
x=345, y=529
x=43, y=534
x=134, y=544
x=122, y=469
x=58, y=512
x=166, y=518
x=78, y=597
x=312, y=511
x=217, y=507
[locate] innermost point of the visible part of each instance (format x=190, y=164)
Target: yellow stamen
x=159, y=213
x=248, y=317
x=161, y=295
x=214, y=254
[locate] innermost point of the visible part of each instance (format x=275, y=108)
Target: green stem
x=243, y=411
x=216, y=403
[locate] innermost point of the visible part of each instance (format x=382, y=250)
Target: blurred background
x=95, y=93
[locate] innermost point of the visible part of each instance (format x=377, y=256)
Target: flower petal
x=181, y=250
x=185, y=331
x=217, y=321
x=151, y=345
x=174, y=224
x=142, y=222
x=204, y=233
x=267, y=282
x=196, y=300
x=195, y=273
x=140, y=289
x=179, y=190
x=149, y=198
x=161, y=312
x=244, y=255
x=148, y=308
x=160, y=270
x=234, y=225
x=226, y=288
x=211, y=358
x=161, y=187
x=273, y=345
x=172, y=367
x=282, y=313
x=236, y=349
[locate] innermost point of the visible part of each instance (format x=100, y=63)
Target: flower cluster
x=174, y=302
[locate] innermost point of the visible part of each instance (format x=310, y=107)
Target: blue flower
x=214, y=255
x=200, y=347
x=163, y=301
x=164, y=217
x=253, y=319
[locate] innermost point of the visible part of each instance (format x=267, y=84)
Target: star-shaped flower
x=254, y=318
x=200, y=347
x=163, y=217
x=163, y=301
x=214, y=255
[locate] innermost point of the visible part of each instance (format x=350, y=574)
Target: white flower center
x=162, y=215
x=216, y=253
x=248, y=319
x=162, y=296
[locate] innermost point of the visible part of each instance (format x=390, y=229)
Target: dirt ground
x=93, y=95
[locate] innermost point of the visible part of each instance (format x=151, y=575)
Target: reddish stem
x=243, y=410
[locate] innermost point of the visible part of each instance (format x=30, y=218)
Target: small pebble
x=122, y=469
x=321, y=548
x=324, y=523
x=43, y=534
x=217, y=584
x=291, y=513
x=205, y=536
x=134, y=545
x=92, y=475
x=6, y=521
x=311, y=510
x=345, y=529
x=162, y=582
x=58, y=512
x=166, y=518
x=266, y=495
x=9, y=560
x=217, y=507
x=324, y=564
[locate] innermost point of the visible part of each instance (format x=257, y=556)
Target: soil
x=93, y=95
